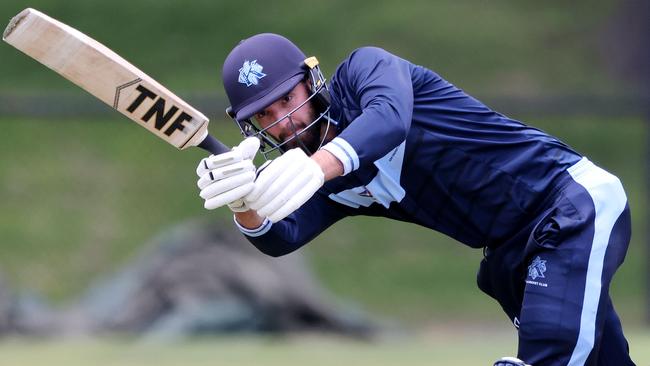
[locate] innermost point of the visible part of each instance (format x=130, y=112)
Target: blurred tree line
x=578, y=68
x=498, y=47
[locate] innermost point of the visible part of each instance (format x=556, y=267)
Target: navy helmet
x=262, y=69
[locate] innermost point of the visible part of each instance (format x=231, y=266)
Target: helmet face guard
x=319, y=97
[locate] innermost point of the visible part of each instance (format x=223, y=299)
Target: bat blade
x=109, y=77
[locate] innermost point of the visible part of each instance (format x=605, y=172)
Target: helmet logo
x=251, y=73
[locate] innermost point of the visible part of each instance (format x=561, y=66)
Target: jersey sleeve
x=297, y=229
x=381, y=85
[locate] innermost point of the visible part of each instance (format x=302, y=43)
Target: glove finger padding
x=283, y=196
x=216, y=161
x=213, y=176
x=297, y=200
x=226, y=178
x=229, y=196
x=269, y=175
x=246, y=150
x=281, y=179
x=249, y=147
x=285, y=184
x=227, y=184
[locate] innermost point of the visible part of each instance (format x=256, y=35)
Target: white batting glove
x=510, y=361
x=226, y=178
x=285, y=184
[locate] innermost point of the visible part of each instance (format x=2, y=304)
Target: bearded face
x=287, y=120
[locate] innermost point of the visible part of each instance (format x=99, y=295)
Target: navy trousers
x=552, y=278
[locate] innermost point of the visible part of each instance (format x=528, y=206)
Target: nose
x=278, y=121
x=286, y=128
x=282, y=125
x=283, y=119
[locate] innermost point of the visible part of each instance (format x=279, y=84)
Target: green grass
x=81, y=197
x=440, y=346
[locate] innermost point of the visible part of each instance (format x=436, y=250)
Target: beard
x=308, y=139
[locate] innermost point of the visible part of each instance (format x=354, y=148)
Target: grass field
x=439, y=346
x=81, y=197
x=89, y=194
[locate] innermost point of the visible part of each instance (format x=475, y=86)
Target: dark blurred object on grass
x=23, y=312
x=198, y=278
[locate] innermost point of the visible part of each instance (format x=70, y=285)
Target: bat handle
x=213, y=145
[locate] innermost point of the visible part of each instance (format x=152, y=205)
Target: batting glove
x=510, y=361
x=285, y=184
x=226, y=178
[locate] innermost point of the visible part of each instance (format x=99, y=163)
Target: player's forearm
x=271, y=239
x=249, y=219
x=331, y=166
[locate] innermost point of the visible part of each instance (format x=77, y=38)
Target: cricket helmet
x=262, y=69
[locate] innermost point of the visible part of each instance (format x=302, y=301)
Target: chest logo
x=537, y=268
x=251, y=73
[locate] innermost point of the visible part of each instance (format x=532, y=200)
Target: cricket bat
x=109, y=77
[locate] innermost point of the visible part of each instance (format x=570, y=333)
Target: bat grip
x=213, y=145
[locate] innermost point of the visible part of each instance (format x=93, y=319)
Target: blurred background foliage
x=80, y=195
x=484, y=46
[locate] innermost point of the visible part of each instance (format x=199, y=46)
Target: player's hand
x=226, y=178
x=285, y=184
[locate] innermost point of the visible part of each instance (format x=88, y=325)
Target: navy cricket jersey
x=416, y=148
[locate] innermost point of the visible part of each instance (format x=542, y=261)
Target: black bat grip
x=213, y=145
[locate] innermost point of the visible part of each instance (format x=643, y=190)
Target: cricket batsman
x=386, y=137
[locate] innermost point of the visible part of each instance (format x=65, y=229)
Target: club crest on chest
x=537, y=268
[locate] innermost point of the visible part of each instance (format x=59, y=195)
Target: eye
x=260, y=115
x=288, y=98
